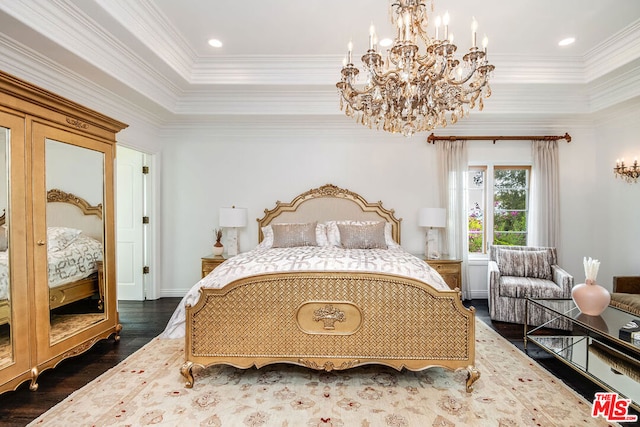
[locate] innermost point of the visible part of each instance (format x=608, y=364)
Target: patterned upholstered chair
x=516, y=272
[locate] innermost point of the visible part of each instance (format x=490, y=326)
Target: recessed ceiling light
x=567, y=41
x=215, y=43
x=385, y=42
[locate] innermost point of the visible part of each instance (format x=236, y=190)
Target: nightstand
x=449, y=269
x=210, y=262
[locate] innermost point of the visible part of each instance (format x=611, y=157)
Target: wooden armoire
x=57, y=230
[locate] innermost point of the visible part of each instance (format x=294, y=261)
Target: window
x=503, y=211
x=476, y=202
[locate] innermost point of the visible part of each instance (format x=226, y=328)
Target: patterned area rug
x=147, y=389
x=65, y=325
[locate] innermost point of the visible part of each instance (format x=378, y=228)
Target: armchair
x=518, y=272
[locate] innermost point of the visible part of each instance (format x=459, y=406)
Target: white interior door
x=130, y=229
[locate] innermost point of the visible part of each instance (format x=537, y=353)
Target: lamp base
x=232, y=241
x=431, y=250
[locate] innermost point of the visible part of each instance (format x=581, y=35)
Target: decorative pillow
x=365, y=236
x=333, y=233
x=267, y=233
x=524, y=263
x=59, y=238
x=321, y=235
x=292, y=235
x=267, y=237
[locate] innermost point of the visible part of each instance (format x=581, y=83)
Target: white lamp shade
x=233, y=217
x=432, y=217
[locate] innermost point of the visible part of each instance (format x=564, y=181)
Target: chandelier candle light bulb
x=591, y=298
x=474, y=29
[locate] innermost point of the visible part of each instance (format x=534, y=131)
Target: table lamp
x=432, y=218
x=232, y=218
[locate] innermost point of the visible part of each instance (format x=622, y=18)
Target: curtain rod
x=431, y=139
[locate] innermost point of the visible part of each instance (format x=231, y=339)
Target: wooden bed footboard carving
x=330, y=320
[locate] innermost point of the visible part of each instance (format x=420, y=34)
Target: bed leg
x=187, y=372
x=472, y=377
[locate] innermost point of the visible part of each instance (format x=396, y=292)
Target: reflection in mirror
x=75, y=232
x=6, y=353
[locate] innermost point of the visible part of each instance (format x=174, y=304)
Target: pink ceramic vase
x=591, y=299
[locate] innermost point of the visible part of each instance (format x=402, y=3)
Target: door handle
x=41, y=242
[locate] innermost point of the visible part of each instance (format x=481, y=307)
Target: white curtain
x=544, y=198
x=453, y=180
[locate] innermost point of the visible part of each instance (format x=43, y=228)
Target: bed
x=316, y=306
x=74, y=243
x=75, y=252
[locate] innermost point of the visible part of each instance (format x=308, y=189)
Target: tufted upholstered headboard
x=328, y=203
x=68, y=210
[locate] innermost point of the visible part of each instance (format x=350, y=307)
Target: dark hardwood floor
x=142, y=321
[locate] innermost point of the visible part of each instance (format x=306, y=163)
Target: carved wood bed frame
x=330, y=320
x=89, y=219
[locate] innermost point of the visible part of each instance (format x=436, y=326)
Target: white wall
x=205, y=169
x=615, y=204
x=75, y=170
x=255, y=169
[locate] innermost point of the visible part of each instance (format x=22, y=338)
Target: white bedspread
x=4, y=275
x=75, y=262
x=394, y=260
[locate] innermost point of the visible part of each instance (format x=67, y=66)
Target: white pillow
x=267, y=233
x=333, y=233
x=59, y=238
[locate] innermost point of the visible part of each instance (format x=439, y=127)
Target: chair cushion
x=626, y=302
x=524, y=263
x=521, y=287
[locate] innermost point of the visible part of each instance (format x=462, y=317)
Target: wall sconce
x=432, y=218
x=628, y=173
x=232, y=218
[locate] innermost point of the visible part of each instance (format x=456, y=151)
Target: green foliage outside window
x=510, y=207
x=476, y=231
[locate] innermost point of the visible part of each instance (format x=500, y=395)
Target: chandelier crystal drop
x=407, y=91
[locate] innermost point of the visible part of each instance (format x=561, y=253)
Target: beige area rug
x=147, y=389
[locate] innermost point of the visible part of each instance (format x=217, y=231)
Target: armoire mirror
x=75, y=236
x=6, y=348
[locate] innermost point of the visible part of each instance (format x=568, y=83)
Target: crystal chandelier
x=408, y=91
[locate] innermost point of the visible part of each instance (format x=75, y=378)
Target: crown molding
x=617, y=88
x=151, y=27
x=613, y=53
x=270, y=85
x=69, y=27
x=27, y=64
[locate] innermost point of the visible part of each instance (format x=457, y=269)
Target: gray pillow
x=367, y=236
x=524, y=263
x=292, y=235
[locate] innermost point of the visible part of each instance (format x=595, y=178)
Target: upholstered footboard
x=330, y=320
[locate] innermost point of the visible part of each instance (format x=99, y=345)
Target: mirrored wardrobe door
x=6, y=349
x=70, y=266
x=75, y=236
x=14, y=335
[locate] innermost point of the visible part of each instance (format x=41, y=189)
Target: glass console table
x=591, y=345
